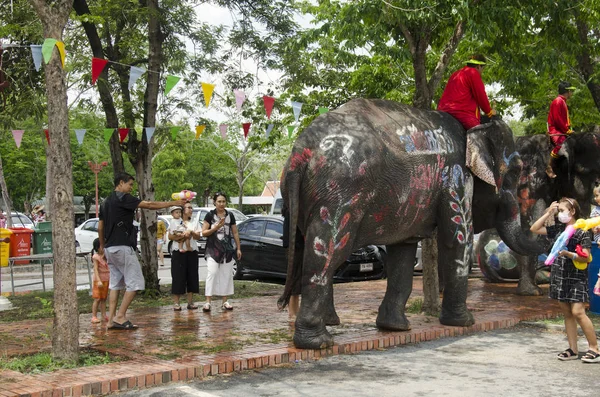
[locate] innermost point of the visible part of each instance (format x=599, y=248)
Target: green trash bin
x=42, y=238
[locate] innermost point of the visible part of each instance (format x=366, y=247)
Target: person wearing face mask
x=568, y=284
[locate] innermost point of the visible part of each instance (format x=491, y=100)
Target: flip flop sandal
x=567, y=355
x=177, y=307
x=591, y=357
x=126, y=326
x=227, y=306
x=192, y=307
x=206, y=307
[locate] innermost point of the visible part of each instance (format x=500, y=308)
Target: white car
x=85, y=234
x=19, y=219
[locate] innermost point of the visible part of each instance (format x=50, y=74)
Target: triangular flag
x=323, y=110
x=246, y=127
x=208, y=91
x=296, y=107
x=36, y=53
x=47, y=133
x=269, y=102
x=108, y=133
x=47, y=48
x=291, y=129
x=123, y=134
x=269, y=129
x=171, y=82
x=199, y=130
x=135, y=74
x=61, y=51
x=174, y=132
x=240, y=97
x=80, y=134
x=98, y=65
x=223, y=129
x=18, y=136
x=149, y=133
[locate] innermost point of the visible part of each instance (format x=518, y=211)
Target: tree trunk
x=5, y=196
x=431, y=286
x=65, y=335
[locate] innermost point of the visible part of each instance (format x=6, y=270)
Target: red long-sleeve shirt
x=558, y=116
x=464, y=95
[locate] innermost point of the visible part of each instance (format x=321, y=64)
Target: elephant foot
x=332, y=319
x=528, y=289
x=462, y=318
x=306, y=337
x=392, y=320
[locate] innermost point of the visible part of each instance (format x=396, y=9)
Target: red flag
x=47, y=136
x=123, y=134
x=246, y=127
x=269, y=102
x=98, y=65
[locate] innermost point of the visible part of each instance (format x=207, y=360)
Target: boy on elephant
x=559, y=123
x=465, y=95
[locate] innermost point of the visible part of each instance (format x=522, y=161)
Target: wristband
x=490, y=114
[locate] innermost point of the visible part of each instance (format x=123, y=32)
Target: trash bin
x=593, y=269
x=4, y=246
x=42, y=238
x=20, y=243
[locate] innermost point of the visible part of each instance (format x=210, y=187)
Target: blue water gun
x=560, y=244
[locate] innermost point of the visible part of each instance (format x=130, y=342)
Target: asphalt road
x=516, y=362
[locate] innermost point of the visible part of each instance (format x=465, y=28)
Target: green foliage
x=44, y=362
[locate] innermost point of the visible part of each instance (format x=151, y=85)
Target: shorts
x=125, y=270
x=184, y=271
x=100, y=292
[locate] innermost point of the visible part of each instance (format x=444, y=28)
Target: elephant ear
x=479, y=155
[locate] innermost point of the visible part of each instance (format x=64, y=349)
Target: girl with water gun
x=568, y=284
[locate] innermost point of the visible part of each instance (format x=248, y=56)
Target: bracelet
x=574, y=256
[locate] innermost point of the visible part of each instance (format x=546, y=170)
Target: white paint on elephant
x=345, y=141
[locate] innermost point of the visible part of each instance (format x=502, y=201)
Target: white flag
x=135, y=74
x=80, y=134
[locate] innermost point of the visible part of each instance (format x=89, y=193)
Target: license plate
x=366, y=267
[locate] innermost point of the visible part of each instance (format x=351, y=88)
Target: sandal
x=567, y=355
x=206, y=307
x=591, y=357
x=191, y=306
x=177, y=307
x=226, y=306
x=95, y=320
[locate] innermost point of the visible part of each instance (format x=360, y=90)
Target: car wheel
x=237, y=271
x=170, y=248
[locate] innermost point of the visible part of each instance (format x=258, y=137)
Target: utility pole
x=96, y=168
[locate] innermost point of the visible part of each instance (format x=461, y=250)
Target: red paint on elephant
x=299, y=159
x=344, y=221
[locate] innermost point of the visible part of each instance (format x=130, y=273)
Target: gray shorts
x=125, y=270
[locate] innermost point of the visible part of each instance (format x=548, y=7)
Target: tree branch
x=446, y=56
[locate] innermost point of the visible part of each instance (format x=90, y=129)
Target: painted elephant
x=379, y=172
x=578, y=170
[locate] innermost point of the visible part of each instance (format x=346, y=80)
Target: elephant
x=578, y=171
x=380, y=172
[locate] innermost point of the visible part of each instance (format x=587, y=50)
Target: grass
x=38, y=304
x=560, y=320
x=44, y=362
x=414, y=306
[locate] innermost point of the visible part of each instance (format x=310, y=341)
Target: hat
x=476, y=59
x=173, y=208
x=38, y=208
x=565, y=86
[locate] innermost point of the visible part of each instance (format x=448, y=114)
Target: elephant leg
x=527, y=271
x=399, y=266
x=330, y=317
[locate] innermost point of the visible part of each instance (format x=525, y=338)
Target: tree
x=65, y=336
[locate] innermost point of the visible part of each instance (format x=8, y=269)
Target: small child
x=596, y=212
x=100, y=282
x=179, y=229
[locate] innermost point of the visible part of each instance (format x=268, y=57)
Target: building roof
x=271, y=188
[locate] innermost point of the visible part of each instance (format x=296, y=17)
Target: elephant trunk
x=509, y=228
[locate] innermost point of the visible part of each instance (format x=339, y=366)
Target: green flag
x=323, y=110
x=47, y=48
x=108, y=133
x=171, y=82
x=291, y=129
x=174, y=132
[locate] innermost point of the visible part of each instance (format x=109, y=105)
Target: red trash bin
x=20, y=243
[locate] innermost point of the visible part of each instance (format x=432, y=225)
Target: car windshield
x=21, y=220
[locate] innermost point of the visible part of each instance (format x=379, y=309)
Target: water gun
x=184, y=195
x=587, y=224
x=560, y=244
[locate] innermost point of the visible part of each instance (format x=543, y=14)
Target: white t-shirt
x=180, y=225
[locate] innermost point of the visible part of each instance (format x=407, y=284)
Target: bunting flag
x=36, y=53
x=296, y=107
x=199, y=130
x=223, y=129
x=47, y=48
x=123, y=134
x=61, y=51
x=98, y=65
x=108, y=133
x=18, y=136
x=269, y=102
x=149, y=132
x=269, y=129
x=174, y=132
x=240, y=97
x=290, y=129
x=208, y=91
x=79, y=134
x=47, y=133
x=323, y=110
x=171, y=82
x=246, y=127
x=134, y=74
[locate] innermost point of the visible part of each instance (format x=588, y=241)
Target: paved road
x=517, y=362
x=31, y=274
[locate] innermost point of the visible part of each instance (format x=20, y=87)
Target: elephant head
x=497, y=166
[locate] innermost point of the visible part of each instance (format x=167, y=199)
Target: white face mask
x=564, y=217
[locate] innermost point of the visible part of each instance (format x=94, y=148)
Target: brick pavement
x=179, y=346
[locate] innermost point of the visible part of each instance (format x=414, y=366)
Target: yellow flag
x=199, y=130
x=61, y=50
x=208, y=91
